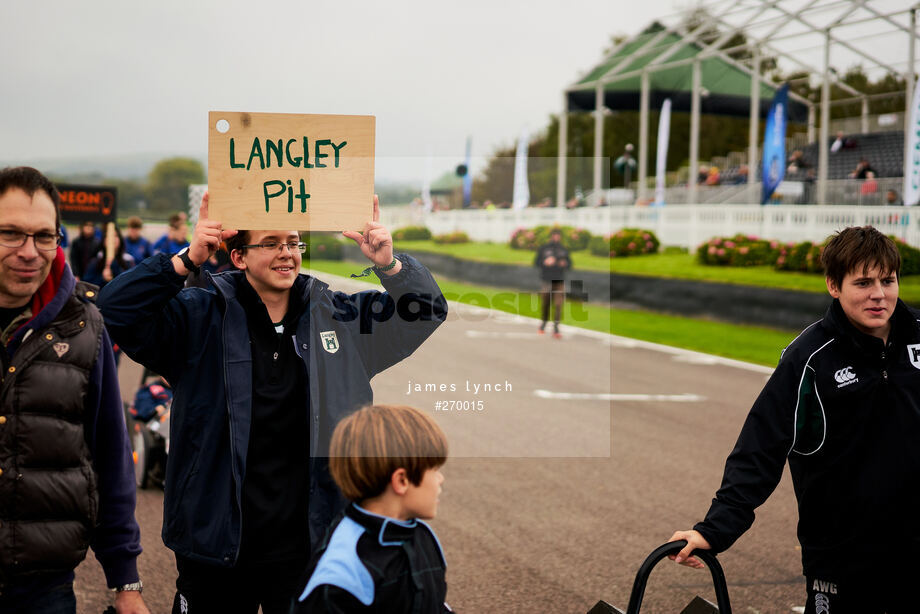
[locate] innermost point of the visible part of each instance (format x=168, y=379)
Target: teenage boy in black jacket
x=263, y=365
x=844, y=407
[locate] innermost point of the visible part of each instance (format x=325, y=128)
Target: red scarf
x=49, y=287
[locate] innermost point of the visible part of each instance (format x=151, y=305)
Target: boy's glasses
x=45, y=241
x=293, y=246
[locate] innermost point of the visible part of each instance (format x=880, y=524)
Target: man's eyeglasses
x=45, y=241
x=293, y=246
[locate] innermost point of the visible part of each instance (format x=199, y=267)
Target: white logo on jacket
x=330, y=341
x=845, y=377
x=62, y=348
x=913, y=352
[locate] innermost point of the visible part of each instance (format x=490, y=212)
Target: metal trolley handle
x=718, y=576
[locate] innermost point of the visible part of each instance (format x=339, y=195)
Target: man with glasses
x=66, y=474
x=263, y=364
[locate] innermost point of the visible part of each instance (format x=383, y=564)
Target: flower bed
x=574, y=239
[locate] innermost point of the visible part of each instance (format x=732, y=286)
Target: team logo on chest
x=845, y=377
x=913, y=352
x=62, y=348
x=330, y=341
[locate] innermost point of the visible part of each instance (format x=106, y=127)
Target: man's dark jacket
x=844, y=408
x=68, y=479
x=198, y=340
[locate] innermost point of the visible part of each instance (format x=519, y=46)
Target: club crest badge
x=331, y=342
x=61, y=348
x=913, y=352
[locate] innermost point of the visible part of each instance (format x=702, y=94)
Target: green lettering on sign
x=337, y=148
x=233, y=162
x=295, y=162
x=268, y=196
x=271, y=146
x=256, y=151
x=317, y=155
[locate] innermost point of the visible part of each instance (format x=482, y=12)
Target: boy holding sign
x=264, y=364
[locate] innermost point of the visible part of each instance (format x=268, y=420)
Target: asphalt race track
x=586, y=454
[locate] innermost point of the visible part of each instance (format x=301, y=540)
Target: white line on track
x=482, y=334
x=610, y=396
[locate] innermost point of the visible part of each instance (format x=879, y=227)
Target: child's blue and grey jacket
x=371, y=563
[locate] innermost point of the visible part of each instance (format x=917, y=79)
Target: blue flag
x=774, y=144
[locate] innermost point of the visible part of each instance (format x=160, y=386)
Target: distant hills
x=126, y=166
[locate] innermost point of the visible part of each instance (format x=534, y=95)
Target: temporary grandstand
x=694, y=59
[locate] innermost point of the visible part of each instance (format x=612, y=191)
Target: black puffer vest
x=48, y=497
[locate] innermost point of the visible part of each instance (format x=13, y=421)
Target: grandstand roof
x=871, y=33
x=728, y=85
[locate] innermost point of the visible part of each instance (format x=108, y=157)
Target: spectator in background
x=713, y=178
x=703, y=175
x=83, y=249
x=892, y=199
x=862, y=168
x=100, y=272
x=842, y=142
x=175, y=238
x=797, y=162
x=741, y=176
x=870, y=185
x=135, y=244
x=553, y=260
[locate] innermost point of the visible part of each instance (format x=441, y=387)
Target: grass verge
x=668, y=265
x=755, y=344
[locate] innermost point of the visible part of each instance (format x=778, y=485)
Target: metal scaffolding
x=875, y=34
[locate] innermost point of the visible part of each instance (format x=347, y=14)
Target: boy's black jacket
x=369, y=563
x=844, y=407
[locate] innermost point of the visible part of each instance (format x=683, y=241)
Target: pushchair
x=148, y=417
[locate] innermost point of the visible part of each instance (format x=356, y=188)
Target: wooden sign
x=278, y=171
x=88, y=203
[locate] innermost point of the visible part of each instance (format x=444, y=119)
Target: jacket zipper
x=239, y=536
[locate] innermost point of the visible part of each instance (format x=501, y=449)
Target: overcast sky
x=104, y=77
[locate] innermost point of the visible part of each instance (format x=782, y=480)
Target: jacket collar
x=387, y=531
x=228, y=285
x=904, y=327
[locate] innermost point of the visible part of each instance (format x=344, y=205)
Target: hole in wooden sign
x=223, y=126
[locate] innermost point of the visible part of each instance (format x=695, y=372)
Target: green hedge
x=322, y=247
x=910, y=257
x=626, y=242
x=457, y=236
x=739, y=250
x=412, y=233
x=574, y=239
x=804, y=256
x=742, y=250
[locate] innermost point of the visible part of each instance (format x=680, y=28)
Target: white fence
x=681, y=225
